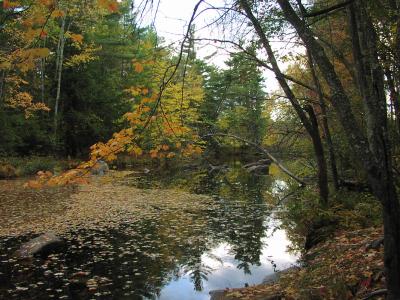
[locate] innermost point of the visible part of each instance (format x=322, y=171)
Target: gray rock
x=265, y=161
x=274, y=277
x=100, y=168
x=220, y=168
x=217, y=295
x=42, y=245
x=375, y=245
x=258, y=169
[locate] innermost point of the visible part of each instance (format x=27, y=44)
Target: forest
x=143, y=166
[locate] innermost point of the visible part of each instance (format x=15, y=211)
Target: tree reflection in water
x=139, y=259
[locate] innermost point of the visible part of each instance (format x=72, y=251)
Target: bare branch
x=265, y=151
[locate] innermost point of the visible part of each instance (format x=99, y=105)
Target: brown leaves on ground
x=341, y=268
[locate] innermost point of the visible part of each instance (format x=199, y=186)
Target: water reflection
x=178, y=255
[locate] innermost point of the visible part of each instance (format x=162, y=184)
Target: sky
x=171, y=23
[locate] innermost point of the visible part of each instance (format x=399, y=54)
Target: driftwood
x=265, y=151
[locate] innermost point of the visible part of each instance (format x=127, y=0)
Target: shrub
x=31, y=165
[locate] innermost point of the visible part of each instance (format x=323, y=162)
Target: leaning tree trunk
x=374, y=152
x=320, y=155
x=308, y=122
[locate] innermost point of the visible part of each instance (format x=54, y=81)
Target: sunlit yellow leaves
x=135, y=150
x=87, y=54
x=57, y=13
x=31, y=34
x=40, y=52
x=4, y=65
x=148, y=44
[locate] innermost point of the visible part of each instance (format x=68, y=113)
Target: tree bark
x=325, y=125
x=311, y=128
x=2, y=83
x=374, y=152
x=59, y=67
x=320, y=156
x=265, y=151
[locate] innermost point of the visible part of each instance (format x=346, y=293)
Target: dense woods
x=85, y=81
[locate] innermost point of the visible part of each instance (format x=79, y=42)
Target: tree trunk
x=325, y=125
x=319, y=155
x=306, y=122
x=2, y=83
x=59, y=67
x=374, y=152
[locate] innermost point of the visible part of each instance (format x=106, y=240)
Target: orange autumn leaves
x=110, y=5
x=128, y=141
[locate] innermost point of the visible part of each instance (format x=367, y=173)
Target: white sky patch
x=171, y=20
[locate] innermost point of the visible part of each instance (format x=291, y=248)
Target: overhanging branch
x=265, y=151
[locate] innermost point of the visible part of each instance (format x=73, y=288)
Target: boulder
x=258, y=169
x=100, y=168
x=319, y=231
x=265, y=161
x=42, y=246
x=375, y=245
x=7, y=171
x=274, y=277
x=220, y=168
x=218, y=295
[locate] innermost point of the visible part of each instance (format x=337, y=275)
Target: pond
x=180, y=249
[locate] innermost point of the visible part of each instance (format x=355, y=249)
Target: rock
x=7, y=171
x=220, y=168
x=258, y=169
x=319, y=231
x=265, y=161
x=274, y=277
x=375, y=245
x=217, y=295
x=100, y=168
x=42, y=245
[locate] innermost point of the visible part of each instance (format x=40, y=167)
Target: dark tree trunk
x=2, y=83
x=320, y=156
x=325, y=125
x=374, y=152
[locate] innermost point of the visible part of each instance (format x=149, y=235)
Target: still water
x=230, y=241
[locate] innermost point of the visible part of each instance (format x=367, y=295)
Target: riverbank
x=348, y=266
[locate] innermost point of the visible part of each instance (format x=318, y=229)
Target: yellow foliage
x=57, y=13
x=87, y=55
